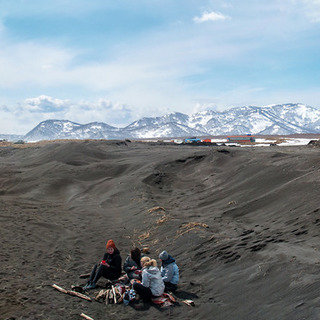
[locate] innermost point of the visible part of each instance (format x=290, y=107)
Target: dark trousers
x=99, y=271
x=144, y=292
x=170, y=287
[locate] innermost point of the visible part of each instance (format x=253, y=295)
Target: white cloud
x=24, y=116
x=45, y=104
x=145, y=74
x=306, y=8
x=113, y=113
x=155, y=71
x=28, y=63
x=210, y=16
x=204, y=106
x=312, y=9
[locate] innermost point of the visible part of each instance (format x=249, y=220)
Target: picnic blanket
x=166, y=300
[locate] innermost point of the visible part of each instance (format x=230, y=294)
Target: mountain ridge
x=281, y=119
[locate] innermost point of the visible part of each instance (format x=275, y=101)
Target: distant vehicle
x=245, y=138
x=192, y=140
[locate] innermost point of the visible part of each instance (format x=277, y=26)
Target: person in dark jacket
x=132, y=264
x=109, y=267
x=169, y=271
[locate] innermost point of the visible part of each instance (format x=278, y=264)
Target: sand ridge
x=242, y=223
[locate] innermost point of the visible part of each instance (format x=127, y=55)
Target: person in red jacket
x=109, y=267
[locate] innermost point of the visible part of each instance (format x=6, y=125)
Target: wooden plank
x=85, y=316
x=72, y=293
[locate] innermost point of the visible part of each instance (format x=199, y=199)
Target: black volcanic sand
x=257, y=259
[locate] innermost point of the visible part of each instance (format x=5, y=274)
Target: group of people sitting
x=146, y=278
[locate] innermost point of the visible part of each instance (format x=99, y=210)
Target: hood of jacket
x=151, y=269
x=168, y=261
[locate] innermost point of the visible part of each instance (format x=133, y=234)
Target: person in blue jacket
x=169, y=271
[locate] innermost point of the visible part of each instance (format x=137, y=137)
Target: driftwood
x=85, y=316
x=80, y=295
x=119, y=295
x=110, y=297
x=120, y=300
x=59, y=288
x=114, y=294
x=101, y=294
x=72, y=293
x=107, y=296
x=84, y=275
x=145, y=250
x=156, y=209
x=189, y=302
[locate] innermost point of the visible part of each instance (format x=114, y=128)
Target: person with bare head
x=152, y=284
x=132, y=264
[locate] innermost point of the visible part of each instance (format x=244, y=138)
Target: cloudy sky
x=118, y=61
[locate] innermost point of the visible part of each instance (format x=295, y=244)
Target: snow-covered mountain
x=65, y=129
x=11, y=137
x=163, y=130
x=268, y=120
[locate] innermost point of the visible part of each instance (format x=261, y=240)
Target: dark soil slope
x=242, y=223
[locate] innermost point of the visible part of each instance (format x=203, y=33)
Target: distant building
x=245, y=138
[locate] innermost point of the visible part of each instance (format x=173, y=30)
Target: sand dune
x=243, y=224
